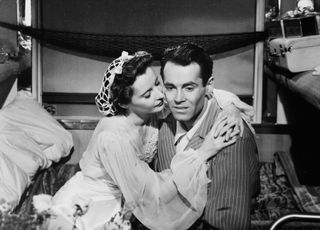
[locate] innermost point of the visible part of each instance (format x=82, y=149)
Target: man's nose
x=179, y=97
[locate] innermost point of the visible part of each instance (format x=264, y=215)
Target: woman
x=116, y=161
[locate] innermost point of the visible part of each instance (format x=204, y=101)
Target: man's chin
x=181, y=117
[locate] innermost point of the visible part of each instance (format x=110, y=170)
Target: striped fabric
x=234, y=173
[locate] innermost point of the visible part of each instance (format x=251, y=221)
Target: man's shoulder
x=168, y=124
x=247, y=132
x=169, y=119
x=246, y=143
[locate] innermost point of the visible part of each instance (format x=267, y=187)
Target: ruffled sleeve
x=160, y=205
x=225, y=98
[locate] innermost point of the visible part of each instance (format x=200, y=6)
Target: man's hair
x=186, y=54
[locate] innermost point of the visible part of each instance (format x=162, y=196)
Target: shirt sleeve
x=161, y=205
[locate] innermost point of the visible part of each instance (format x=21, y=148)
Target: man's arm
x=232, y=173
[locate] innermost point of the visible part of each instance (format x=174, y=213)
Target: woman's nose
x=159, y=91
x=160, y=87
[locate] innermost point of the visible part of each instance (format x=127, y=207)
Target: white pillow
x=13, y=181
x=21, y=149
x=25, y=113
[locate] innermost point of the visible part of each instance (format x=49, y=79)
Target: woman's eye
x=147, y=95
x=157, y=82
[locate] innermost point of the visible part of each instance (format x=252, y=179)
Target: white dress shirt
x=183, y=137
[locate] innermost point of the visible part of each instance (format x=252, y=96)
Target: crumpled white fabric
x=13, y=181
x=25, y=113
x=30, y=139
x=21, y=149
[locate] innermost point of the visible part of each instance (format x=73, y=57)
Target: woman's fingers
x=219, y=123
x=227, y=136
x=234, y=133
x=241, y=127
x=230, y=142
x=226, y=127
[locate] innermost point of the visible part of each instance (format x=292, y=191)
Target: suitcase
x=296, y=54
x=293, y=27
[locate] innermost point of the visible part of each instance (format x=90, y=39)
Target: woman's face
x=147, y=95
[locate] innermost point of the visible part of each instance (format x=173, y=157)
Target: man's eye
x=168, y=87
x=189, y=88
x=157, y=83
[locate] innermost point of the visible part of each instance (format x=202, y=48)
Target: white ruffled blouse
x=113, y=156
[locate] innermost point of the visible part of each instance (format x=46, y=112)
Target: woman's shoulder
x=112, y=124
x=115, y=128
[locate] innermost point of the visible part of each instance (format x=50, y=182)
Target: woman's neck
x=138, y=120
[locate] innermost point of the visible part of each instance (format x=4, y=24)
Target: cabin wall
x=8, y=13
x=66, y=72
x=267, y=144
x=8, y=42
x=70, y=72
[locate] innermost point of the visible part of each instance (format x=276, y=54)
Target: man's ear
x=209, y=87
x=210, y=81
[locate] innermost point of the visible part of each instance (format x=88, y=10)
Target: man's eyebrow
x=190, y=83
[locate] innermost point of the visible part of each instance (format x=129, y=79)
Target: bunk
x=281, y=193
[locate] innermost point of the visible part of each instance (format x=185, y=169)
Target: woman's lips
x=160, y=104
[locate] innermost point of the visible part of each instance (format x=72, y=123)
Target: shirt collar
x=181, y=131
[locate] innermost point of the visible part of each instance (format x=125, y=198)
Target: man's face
x=184, y=90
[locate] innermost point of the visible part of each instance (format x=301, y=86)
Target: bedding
x=30, y=139
x=275, y=199
x=277, y=196
x=308, y=197
x=282, y=194
x=21, y=149
x=13, y=180
x=27, y=114
x=304, y=83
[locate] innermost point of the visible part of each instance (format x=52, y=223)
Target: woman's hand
x=216, y=138
x=233, y=115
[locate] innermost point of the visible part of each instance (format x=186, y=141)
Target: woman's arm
x=159, y=204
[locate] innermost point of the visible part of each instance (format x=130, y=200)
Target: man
x=234, y=176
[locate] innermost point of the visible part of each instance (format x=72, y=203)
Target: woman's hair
x=121, y=88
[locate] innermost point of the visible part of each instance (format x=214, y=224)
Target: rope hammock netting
x=112, y=45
